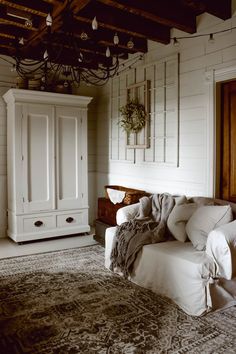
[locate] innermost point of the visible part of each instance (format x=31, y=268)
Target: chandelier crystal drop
x=84, y=36
x=130, y=44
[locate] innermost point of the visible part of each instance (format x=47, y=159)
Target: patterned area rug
x=67, y=302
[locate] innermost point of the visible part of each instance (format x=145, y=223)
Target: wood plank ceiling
x=135, y=20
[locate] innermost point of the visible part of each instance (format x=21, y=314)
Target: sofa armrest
x=221, y=246
x=127, y=213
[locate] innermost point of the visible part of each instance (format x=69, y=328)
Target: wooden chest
x=107, y=211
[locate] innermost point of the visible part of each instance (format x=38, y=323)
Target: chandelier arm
x=65, y=46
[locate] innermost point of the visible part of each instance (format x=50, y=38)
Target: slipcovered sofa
x=180, y=269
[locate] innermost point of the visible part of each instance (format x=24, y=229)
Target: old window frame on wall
x=140, y=140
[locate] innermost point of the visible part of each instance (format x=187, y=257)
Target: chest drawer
x=41, y=223
x=70, y=220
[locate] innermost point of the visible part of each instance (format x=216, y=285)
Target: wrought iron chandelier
x=63, y=59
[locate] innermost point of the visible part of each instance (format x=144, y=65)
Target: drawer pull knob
x=38, y=223
x=69, y=220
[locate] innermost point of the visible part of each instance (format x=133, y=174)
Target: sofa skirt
x=173, y=269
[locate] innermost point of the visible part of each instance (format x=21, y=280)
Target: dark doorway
x=228, y=141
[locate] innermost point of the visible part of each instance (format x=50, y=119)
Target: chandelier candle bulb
x=80, y=59
x=49, y=20
x=94, y=24
x=21, y=41
x=45, y=55
x=116, y=39
x=108, y=53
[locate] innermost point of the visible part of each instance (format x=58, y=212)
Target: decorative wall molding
x=163, y=145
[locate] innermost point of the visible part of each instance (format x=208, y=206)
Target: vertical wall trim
x=110, y=120
x=118, y=116
x=164, y=140
x=154, y=113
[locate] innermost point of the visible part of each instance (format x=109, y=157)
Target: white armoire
x=47, y=164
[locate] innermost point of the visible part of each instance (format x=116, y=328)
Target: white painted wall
x=7, y=80
x=191, y=177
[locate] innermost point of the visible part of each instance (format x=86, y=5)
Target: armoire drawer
x=39, y=223
x=67, y=220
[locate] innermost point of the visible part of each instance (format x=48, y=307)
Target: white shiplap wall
x=191, y=176
x=6, y=75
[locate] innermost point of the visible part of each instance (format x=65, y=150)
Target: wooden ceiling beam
x=125, y=23
x=14, y=23
x=12, y=31
x=179, y=16
x=219, y=8
x=34, y=8
x=53, y=2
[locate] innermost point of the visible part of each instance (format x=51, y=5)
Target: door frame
x=213, y=78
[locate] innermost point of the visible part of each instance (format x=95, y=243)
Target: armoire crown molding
x=16, y=95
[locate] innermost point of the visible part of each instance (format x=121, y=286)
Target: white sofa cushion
x=205, y=219
x=178, y=218
x=221, y=246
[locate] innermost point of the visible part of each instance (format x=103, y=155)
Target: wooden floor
x=8, y=248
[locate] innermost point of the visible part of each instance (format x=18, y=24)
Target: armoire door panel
x=68, y=158
x=38, y=158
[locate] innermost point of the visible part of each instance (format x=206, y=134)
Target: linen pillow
x=205, y=219
x=221, y=246
x=178, y=218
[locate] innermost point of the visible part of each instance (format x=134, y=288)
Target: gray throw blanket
x=148, y=227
